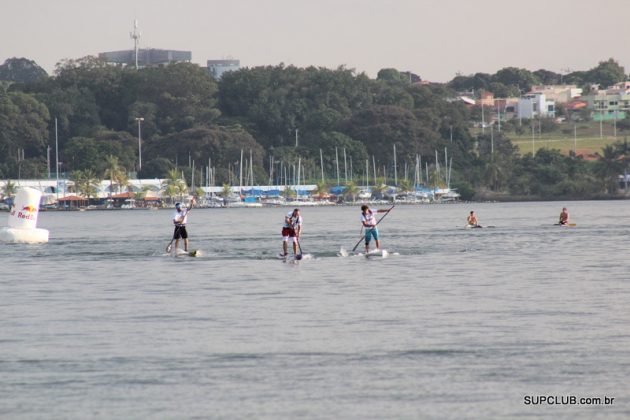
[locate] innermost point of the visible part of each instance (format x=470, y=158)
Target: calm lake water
x=99, y=323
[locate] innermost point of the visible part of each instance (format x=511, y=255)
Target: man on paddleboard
x=368, y=220
x=564, y=216
x=180, y=218
x=291, y=229
x=472, y=219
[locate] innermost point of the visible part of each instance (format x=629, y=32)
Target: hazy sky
x=432, y=38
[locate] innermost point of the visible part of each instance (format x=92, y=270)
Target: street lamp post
x=139, y=119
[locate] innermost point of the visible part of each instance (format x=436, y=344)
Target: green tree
x=226, y=191
x=86, y=182
x=351, y=191
x=156, y=168
x=173, y=185
x=9, y=189
x=512, y=76
x=113, y=171
x=21, y=70
x=608, y=168
x=607, y=73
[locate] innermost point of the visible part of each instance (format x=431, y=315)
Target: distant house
x=534, y=105
x=486, y=99
x=612, y=103
x=558, y=93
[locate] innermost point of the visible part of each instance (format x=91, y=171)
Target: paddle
x=379, y=221
x=299, y=256
x=169, y=247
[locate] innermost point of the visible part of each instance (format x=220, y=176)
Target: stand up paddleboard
x=191, y=253
x=383, y=253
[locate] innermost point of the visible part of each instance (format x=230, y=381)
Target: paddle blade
x=169, y=247
x=298, y=257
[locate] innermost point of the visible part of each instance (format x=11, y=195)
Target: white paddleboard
x=191, y=253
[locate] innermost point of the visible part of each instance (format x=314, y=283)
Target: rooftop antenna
x=135, y=35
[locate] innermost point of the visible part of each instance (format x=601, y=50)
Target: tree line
x=279, y=116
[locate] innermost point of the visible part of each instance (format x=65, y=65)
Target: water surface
x=100, y=323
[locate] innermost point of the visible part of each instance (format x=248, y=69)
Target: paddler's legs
x=376, y=241
x=294, y=245
x=186, y=244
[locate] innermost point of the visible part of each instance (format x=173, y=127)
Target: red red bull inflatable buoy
x=23, y=219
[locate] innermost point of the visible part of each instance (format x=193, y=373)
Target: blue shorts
x=369, y=233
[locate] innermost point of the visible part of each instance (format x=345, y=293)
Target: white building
x=558, y=93
x=218, y=67
x=534, y=105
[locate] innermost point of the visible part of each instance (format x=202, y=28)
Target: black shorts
x=180, y=232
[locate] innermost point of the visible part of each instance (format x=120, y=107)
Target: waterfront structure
x=218, y=67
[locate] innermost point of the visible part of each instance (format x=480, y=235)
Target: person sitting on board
x=472, y=219
x=564, y=216
x=291, y=229
x=180, y=218
x=368, y=220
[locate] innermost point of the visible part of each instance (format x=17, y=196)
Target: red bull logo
x=27, y=212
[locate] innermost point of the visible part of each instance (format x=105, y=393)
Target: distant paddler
x=368, y=220
x=180, y=218
x=291, y=229
x=472, y=220
x=564, y=217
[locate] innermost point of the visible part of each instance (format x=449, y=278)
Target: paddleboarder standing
x=291, y=229
x=180, y=218
x=368, y=220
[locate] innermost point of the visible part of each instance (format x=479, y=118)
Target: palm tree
x=321, y=189
x=113, y=171
x=288, y=192
x=608, y=168
x=173, y=185
x=9, y=189
x=92, y=182
x=378, y=189
x=405, y=185
x=226, y=191
x=351, y=191
x=122, y=181
x=85, y=182
x=494, y=175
